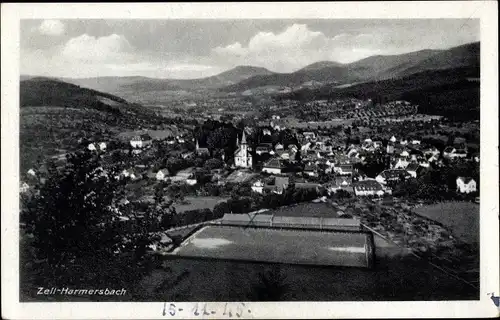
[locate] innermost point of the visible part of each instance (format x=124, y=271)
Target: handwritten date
x=237, y=310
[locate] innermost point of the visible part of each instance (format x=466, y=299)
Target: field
x=273, y=245
x=395, y=277
x=462, y=218
x=193, y=203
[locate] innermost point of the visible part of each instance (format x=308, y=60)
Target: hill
x=368, y=69
x=321, y=65
x=124, y=86
x=55, y=116
x=446, y=92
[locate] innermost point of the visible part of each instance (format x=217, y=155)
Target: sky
x=186, y=49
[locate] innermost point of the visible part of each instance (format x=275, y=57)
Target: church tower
x=242, y=157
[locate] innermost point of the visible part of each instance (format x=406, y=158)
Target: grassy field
x=281, y=246
x=193, y=203
x=462, y=218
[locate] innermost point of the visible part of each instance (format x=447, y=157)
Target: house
x=261, y=149
x=392, y=175
x=242, y=156
x=91, y=147
x=170, y=141
x=400, y=163
x=162, y=174
x=191, y=180
x=183, y=175
x=266, y=132
x=393, y=139
x=130, y=173
x=368, y=188
x=274, y=165
x=309, y=135
x=377, y=144
x=31, y=172
x=341, y=183
x=311, y=170
x=201, y=151
x=390, y=148
x=466, y=185
x=258, y=186
x=452, y=153
x=293, y=148
x=102, y=146
x=188, y=154
x=141, y=141
x=412, y=169
x=279, y=147
x=345, y=169
x=24, y=187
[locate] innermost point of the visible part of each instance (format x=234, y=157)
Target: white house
x=24, y=187
x=102, y=146
x=258, y=186
x=31, y=172
x=91, y=147
x=141, y=141
x=466, y=185
x=368, y=188
x=162, y=174
x=401, y=164
x=129, y=173
x=191, y=180
x=393, y=139
x=345, y=169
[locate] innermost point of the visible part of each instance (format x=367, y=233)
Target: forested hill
x=452, y=93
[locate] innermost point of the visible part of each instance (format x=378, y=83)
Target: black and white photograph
x=211, y=165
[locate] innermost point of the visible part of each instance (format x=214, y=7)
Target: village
x=200, y=167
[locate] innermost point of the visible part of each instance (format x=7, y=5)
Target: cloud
x=298, y=46
x=88, y=48
x=51, y=28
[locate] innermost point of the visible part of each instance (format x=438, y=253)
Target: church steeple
x=244, y=138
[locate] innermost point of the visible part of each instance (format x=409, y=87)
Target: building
x=452, y=153
x=368, y=188
x=242, y=156
x=412, y=169
x=466, y=185
x=311, y=170
x=392, y=175
x=345, y=169
x=201, y=151
x=309, y=135
x=162, y=174
x=341, y=183
x=274, y=165
x=102, y=146
x=141, y=141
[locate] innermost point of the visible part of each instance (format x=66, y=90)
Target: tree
x=74, y=223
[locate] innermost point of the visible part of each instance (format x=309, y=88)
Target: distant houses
x=141, y=141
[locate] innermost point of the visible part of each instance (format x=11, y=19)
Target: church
x=242, y=156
